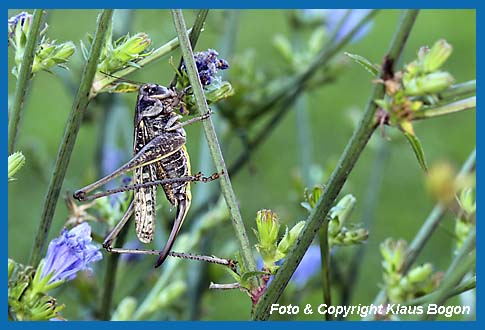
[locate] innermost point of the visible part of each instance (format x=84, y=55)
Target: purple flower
x=208, y=63
x=70, y=253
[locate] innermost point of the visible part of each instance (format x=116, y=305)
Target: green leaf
x=418, y=149
x=372, y=68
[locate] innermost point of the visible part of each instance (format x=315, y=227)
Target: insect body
x=160, y=158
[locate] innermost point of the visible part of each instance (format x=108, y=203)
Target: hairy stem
x=23, y=79
x=212, y=140
x=70, y=133
x=345, y=165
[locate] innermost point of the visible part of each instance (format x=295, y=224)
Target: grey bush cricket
x=160, y=158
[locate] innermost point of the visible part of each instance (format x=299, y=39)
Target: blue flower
x=14, y=20
x=308, y=267
x=332, y=18
x=69, y=254
x=208, y=63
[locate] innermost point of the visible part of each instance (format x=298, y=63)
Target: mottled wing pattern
x=144, y=198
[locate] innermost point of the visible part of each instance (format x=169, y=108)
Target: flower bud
x=467, y=200
x=420, y=273
x=440, y=182
x=15, y=163
x=282, y=44
x=429, y=84
x=436, y=56
x=289, y=239
x=132, y=47
x=393, y=253
x=267, y=232
x=343, y=209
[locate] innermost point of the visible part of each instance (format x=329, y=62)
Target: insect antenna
x=121, y=79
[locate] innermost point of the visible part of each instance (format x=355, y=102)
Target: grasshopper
x=160, y=158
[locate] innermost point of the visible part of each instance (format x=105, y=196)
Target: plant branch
x=23, y=79
x=213, y=143
x=194, y=36
x=323, y=57
x=460, y=90
x=67, y=144
x=429, y=226
x=325, y=264
x=155, y=55
x=345, y=165
x=441, y=110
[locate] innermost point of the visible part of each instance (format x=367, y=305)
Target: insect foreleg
x=187, y=122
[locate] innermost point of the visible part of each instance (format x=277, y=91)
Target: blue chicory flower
x=70, y=253
x=332, y=17
x=208, y=63
x=14, y=20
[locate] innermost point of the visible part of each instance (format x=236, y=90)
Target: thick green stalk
x=23, y=79
x=67, y=144
x=345, y=165
x=214, y=148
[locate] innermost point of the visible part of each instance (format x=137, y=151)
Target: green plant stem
x=442, y=110
x=212, y=140
x=323, y=57
x=345, y=165
x=23, y=79
x=67, y=144
x=463, y=263
x=110, y=276
x=460, y=90
x=467, y=285
x=325, y=264
x=427, y=229
x=155, y=55
x=371, y=202
x=193, y=37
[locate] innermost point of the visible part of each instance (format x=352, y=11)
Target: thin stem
x=110, y=276
x=194, y=36
x=370, y=204
x=212, y=140
x=467, y=285
x=427, y=229
x=323, y=57
x=442, y=110
x=460, y=90
x=325, y=263
x=463, y=263
x=155, y=55
x=23, y=79
x=67, y=144
x=345, y=165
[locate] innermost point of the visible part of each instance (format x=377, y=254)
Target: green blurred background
x=267, y=182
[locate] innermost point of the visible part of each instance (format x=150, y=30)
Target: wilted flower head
x=69, y=254
x=208, y=63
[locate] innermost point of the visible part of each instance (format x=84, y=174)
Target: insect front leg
x=173, y=126
x=158, y=148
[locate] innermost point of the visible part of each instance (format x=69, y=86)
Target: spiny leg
x=191, y=178
x=158, y=148
x=189, y=121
